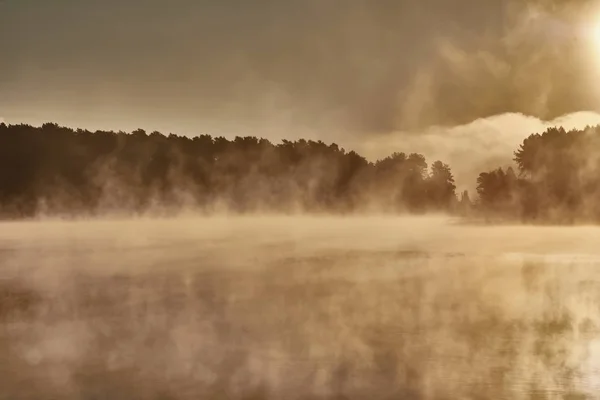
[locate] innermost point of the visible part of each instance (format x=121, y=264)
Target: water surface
x=298, y=308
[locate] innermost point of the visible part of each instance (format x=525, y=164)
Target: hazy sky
x=283, y=68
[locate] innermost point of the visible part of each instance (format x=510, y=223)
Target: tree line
x=557, y=179
x=58, y=170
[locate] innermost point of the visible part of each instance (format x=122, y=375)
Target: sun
x=595, y=34
x=592, y=32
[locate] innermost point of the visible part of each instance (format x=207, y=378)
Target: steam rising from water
x=297, y=307
x=469, y=149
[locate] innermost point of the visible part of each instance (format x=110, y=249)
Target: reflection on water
x=295, y=309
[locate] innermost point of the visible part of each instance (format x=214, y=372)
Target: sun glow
x=595, y=34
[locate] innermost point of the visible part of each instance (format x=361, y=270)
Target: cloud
x=231, y=66
x=472, y=148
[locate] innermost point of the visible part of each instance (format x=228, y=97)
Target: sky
x=352, y=71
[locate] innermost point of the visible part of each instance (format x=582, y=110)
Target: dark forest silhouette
x=58, y=170
x=558, y=179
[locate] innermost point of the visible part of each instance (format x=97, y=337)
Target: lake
x=298, y=307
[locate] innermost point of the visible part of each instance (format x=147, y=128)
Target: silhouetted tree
x=558, y=178
x=54, y=169
x=441, y=186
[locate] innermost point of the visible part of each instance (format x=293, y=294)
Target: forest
x=55, y=170
x=557, y=179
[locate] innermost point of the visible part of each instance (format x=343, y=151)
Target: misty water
x=298, y=308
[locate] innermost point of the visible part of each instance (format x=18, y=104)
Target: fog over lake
x=298, y=307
